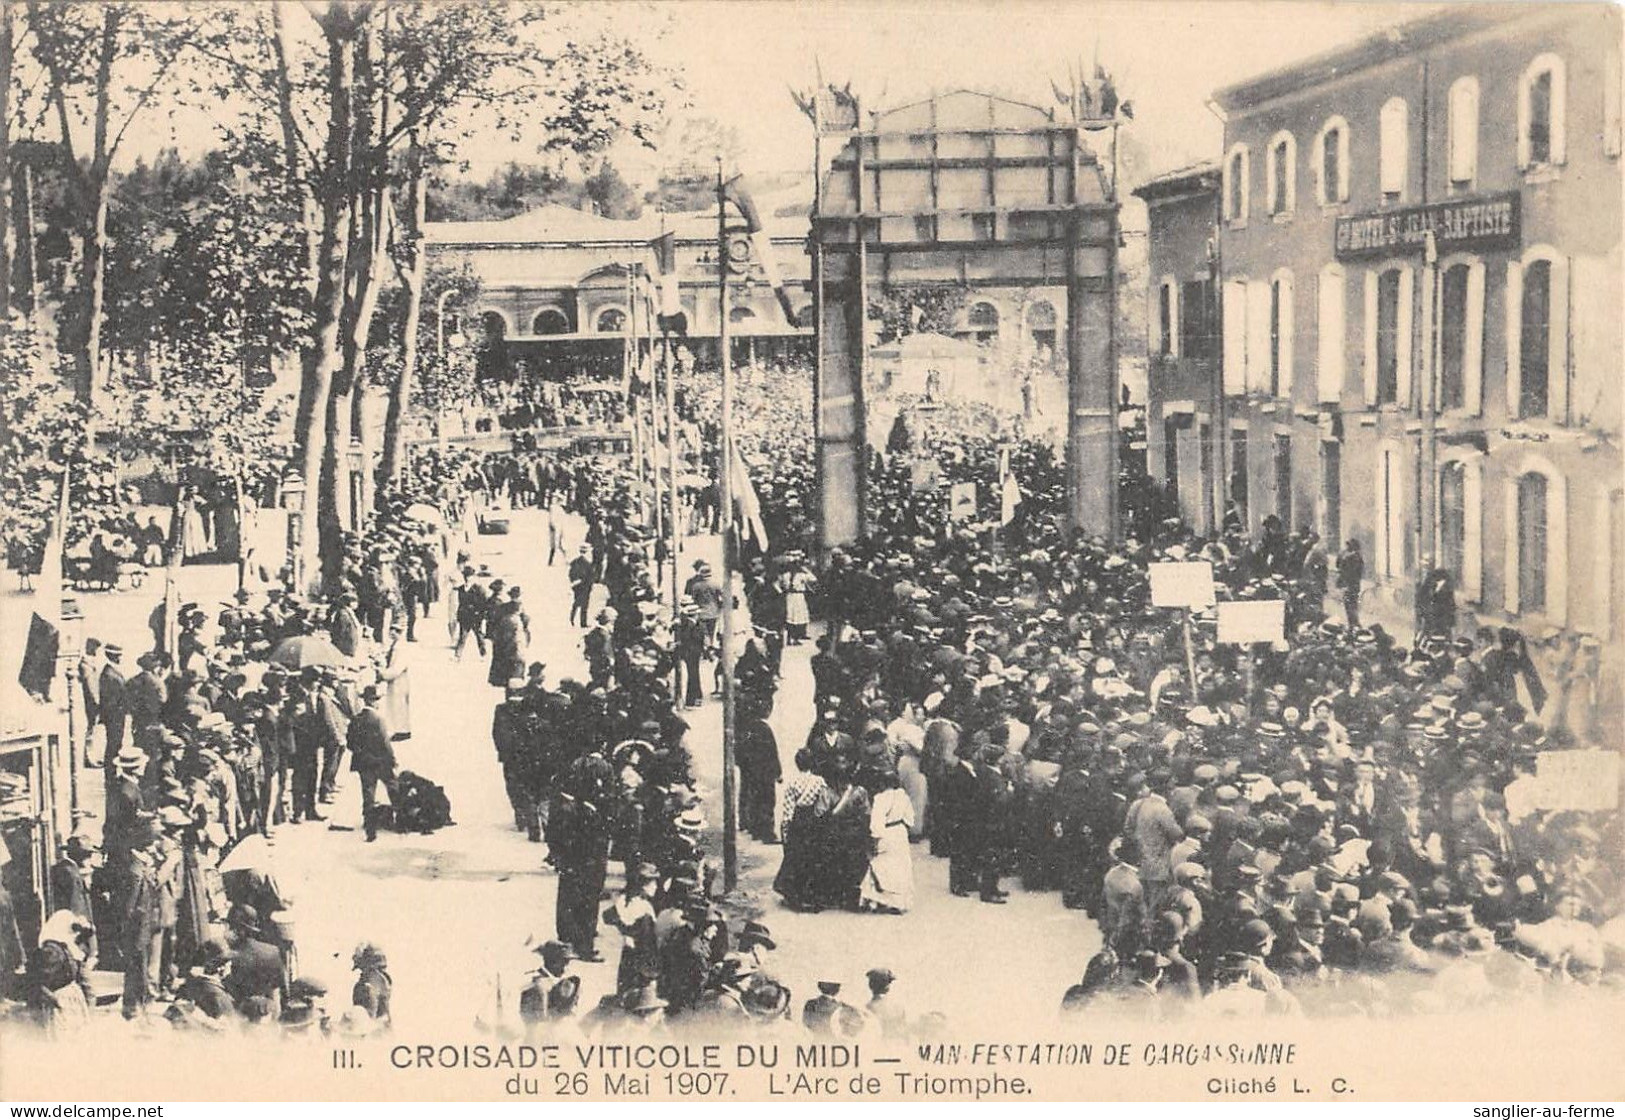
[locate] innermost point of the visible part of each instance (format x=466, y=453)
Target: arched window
x=982, y=321
x=1281, y=174
x=1461, y=334
x=494, y=324
x=1331, y=162
x=1281, y=333
x=550, y=320
x=1542, y=112
x=1391, y=521
x=1041, y=324
x=1236, y=185
x=1393, y=149
x=1536, y=548
x=1537, y=335
x=1463, y=127
x=611, y=320
x=740, y=314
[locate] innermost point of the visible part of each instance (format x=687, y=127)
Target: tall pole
x=672, y=490
x=1426, y=517
x=440, y=356
x=730, y=839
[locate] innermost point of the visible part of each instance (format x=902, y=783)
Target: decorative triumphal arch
x=985, y=193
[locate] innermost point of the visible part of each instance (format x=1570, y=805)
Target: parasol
x=252, y=853
x=304, y=650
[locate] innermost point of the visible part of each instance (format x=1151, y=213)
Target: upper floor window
x=1281, y=334
x=1331, y=162
x=1461, y=335
x=1542, y=112
x=1195, y=305
x=1463, y=127
x=1388, y=319
x=1167, y=317
x=611, y=320
x=1282, y=174
x=550, y=320
x=1236, y=186
x=1537, y=309
x=1393, y=149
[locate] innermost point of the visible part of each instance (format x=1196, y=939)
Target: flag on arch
x=736, y=190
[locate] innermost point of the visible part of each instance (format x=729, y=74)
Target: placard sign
x=1186, y=583
x=924, y=475
x=1262, y=620
x=1587, y=781
x=1484, y=222
x=962, y=501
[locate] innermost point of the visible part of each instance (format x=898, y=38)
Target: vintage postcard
x=811, y=552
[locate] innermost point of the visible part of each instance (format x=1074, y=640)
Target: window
x=611, y=320
x=1463, y=126
x=1041, y=324
x=1167, y=297
x=1332, y=162
x=1329, y=334
x=1536, y=552
x=1236, y=187
x=1393, y=152
x=1281, y=334
x=1461, y=517
x=494, y=326
x=1283, y=481
x=1542, y=113
x=1388, y=337
x=1281, y=174
x=1259, y=349
x=550, y=320
x=1453, y=338
x=1534, y=350
x=1170, y=452
x=982, y=321
x=1532, y=544
x=1331, y=494
x=1195, y=312
x=1537, y=308
x=1238, y=476
x=1461, y=335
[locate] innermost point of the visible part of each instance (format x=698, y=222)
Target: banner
x=1182, y=584
x=1262, y=620
x=1585, y=781
x=962, y=501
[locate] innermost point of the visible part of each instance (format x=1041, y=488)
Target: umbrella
x=252, y=853
x=304, y=650
x=423, y=511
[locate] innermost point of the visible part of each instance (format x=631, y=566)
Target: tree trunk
x=93, y=287
x=322, y=359
x=293, y=160
x=412, y=279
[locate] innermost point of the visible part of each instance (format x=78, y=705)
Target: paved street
x=453, y=909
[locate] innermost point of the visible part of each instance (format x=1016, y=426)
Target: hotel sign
x=1485, y=222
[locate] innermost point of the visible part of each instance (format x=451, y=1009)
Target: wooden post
x=1190, y=651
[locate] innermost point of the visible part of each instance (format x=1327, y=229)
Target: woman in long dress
x=397, y=682
x=796, y=616
x=888, y=888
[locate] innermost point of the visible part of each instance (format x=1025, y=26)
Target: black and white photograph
x=743, y=551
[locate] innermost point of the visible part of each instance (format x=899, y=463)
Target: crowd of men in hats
x=1347, y=805
x=210, y=746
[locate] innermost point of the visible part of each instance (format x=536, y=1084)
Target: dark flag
x=736, y=192
x=669, y=315
x=39, y=658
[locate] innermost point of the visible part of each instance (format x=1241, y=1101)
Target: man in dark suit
x=582, y=577
x=256, y=965
x=371, y=757
x=145, y=697
x=70, y=881
x=600, y=649
x=963, y=834
x=115, y=709
x=89, y=676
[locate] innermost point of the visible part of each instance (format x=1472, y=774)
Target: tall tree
x=103, y=64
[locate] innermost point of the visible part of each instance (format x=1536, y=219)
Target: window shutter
x=1510, y=519
x=1611, y=105
x=1558, y=353
x=1246, y=185
x=1472, y=518
x=1329, y=335
x=1270, y=162
x=1291, y=173
x=1523, y=128
x=1473, y=355
x=1464, y=131
x=1235, y=337
x=1153, y=299
x=1288, y=336
x=1173, y=316
x=1258, y=335
x=1393, y=125
x=1596, y=339
x=1402, y=347
x=1371, y=338
x=1343, y=164
x=1514, y=344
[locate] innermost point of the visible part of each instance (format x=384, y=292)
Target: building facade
x=1418, y=246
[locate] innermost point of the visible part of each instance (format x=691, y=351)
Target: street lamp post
x=69, y=651
x=440, y=353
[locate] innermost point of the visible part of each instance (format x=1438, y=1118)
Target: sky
x=739, y=59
